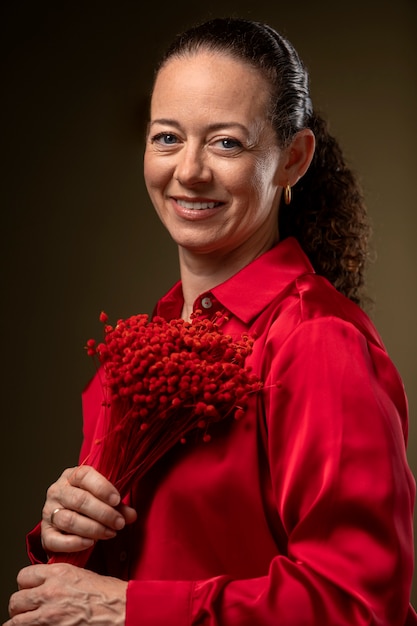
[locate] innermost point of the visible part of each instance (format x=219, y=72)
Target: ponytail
x=328, y=217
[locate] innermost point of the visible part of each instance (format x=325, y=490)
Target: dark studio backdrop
x=79, y=234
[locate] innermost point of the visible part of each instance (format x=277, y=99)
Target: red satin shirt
x=299, y=514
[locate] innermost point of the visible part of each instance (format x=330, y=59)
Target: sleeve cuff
x=34, y=547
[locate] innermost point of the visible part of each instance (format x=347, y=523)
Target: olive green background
x=79, y=234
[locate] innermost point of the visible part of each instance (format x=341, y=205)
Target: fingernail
x=114, y=499
x=109, y=533
x=119, y=523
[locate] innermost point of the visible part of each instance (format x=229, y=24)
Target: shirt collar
x=253, y=287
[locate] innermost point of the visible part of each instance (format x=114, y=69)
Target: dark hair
x=327, y=213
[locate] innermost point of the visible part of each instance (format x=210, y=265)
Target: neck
x=202, y=272
x=197, y=278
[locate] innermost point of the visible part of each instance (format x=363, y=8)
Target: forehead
x=215, y=78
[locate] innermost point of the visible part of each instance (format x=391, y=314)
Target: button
x=206, y=303
x=123, y=556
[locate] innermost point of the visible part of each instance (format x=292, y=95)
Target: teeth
x=197, y=206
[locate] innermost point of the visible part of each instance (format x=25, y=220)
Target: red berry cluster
x=161, y=369
x=164, y=380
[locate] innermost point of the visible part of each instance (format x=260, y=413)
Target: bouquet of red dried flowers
x=164, y=383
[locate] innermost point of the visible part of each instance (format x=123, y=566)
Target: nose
x=192, y=166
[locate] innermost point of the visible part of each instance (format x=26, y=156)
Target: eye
x=227, y=143
x=165, y=139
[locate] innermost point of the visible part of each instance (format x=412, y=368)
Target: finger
x=89, y=518
x=71, y=522
x=89, y=479
x=72, y=493
x=95, y=497
x=26, y=619
x=32, y=576
x=21, y=602
x=128, y=513
x=54, y=540
x=73, y=482
x=72, y=532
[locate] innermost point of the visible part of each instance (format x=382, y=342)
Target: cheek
x=265, y=177
x=240, y=179
x=251, y=179
x=155, y=174
x=148, y=171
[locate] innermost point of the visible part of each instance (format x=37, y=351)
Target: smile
x=198, y=206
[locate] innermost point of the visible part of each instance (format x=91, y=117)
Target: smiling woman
x=213, y=166
x=300, y=511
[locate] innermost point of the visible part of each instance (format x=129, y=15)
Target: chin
x=198, y=245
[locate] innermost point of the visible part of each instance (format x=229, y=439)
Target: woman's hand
x=81, y=507
x=66, y=595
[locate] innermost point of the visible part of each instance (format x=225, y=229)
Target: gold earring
x=287, y=194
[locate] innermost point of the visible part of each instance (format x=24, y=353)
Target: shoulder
x=315, y=302
x=307, y=308
x=319, y=330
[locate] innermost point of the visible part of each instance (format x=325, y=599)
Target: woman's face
x=212, y=163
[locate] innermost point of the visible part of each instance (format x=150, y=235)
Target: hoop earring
x=287, y=194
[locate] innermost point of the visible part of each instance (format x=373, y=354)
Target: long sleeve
x=340, y=484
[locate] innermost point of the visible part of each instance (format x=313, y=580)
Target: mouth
x=197, y=206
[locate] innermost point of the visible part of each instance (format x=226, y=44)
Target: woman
x=300, y=513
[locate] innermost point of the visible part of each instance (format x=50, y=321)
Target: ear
x=297, y=157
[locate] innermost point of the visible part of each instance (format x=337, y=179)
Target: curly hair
x=327, y=214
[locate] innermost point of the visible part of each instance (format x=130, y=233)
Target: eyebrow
x=211, y=127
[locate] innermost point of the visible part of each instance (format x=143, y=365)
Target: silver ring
x=54, y=512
